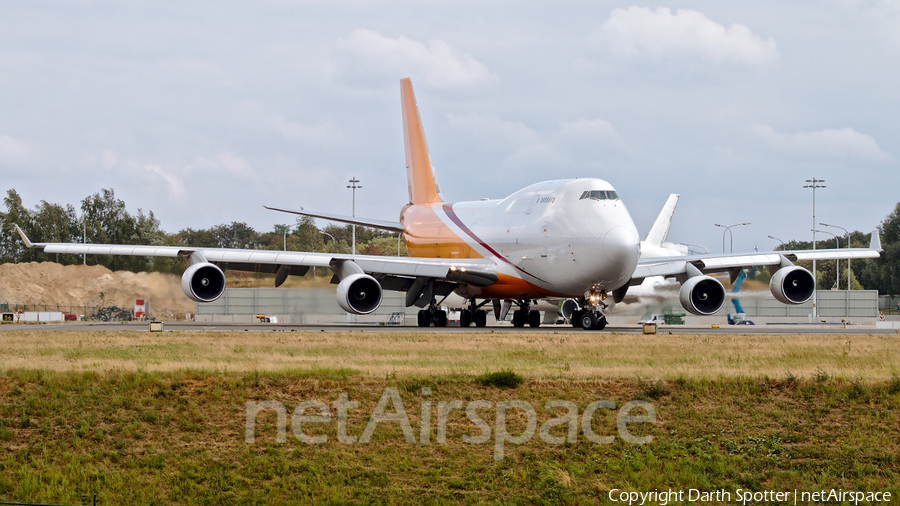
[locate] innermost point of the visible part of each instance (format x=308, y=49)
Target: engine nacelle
x=203, y=282
x=359, y=294
x=567, y=308
x=792, y=285
x=702, y=295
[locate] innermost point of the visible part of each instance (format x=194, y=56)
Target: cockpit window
x=599, y=195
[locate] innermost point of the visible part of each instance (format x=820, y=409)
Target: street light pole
x=354, y=186
x=727, y=229
x=837, y=275
x=697, y=245
x=779, y=240
x=815, y=184
x=849, y=286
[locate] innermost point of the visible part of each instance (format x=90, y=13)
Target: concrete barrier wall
x=831, y=304
x=319, y=305
x=312, y=305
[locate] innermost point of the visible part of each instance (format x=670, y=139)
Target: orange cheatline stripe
x=426, y=236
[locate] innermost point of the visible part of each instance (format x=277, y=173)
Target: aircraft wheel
x=481, y=318
x=601, y=323
x=588, y=321
x=519, y=318
x=424, y=318
x=465, y=318
x=576, y=318
x=440, y=317
x=534, y=319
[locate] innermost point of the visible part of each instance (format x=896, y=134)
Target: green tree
x=883, y=273
x=308, y=236
x=384, y=246
x=55, y=223
x=11, y=247
x=238, y=235
x=108, y=222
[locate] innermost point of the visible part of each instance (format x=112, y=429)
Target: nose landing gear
x=590, y=316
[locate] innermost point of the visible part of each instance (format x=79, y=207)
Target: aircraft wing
x=396, y=273
x=390, y=226
x=734, y=263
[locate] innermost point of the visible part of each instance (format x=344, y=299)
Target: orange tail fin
x=423, y=185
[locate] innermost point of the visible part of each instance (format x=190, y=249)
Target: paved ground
x=267, y=327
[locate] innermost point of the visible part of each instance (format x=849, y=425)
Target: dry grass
x=239, y=279
x=535, y=356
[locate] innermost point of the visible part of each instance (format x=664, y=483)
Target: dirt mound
x=94, y=285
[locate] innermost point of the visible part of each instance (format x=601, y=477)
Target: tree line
x=102, y=218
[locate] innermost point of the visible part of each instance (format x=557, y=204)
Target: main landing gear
x=473, y=314
x=524, y=315
x=432, y=315
x=590, y=316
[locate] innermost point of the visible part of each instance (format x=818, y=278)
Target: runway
x=800, y=329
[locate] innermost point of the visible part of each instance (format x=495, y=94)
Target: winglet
x=875, y=244
x=24, y=237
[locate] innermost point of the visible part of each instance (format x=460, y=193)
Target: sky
x=205, y=111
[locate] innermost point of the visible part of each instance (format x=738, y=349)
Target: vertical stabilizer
x=423, y=185
x=660, y=229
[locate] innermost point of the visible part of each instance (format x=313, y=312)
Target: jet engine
x=792, y=285
x=702, y=295
x=203, y=282
x=359, y=294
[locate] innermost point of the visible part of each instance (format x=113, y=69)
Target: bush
x=506, y=378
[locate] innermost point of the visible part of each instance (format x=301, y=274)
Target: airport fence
x=71, y=312
x=312, y=305
x=831, y=303
x=14, y=307
x=889, y=304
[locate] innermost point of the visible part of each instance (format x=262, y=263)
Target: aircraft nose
x=621, y=246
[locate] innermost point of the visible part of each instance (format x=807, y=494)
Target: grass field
x=141, y=418
x=578, y=355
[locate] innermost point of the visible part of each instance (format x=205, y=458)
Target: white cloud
x=884, y=16
x=298, y=132
x=528, y=148
x=841, y=142
x=227, y=162
x=638, y=32
x=589, y=131
x=491, y=130
x=14, y=151
x=254, y=113
x=436, y=64
x=173, y=183
x=540, y=156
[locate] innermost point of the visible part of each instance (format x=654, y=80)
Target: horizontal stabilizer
x=390, y=226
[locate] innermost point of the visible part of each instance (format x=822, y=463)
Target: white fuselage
x=551, y=236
